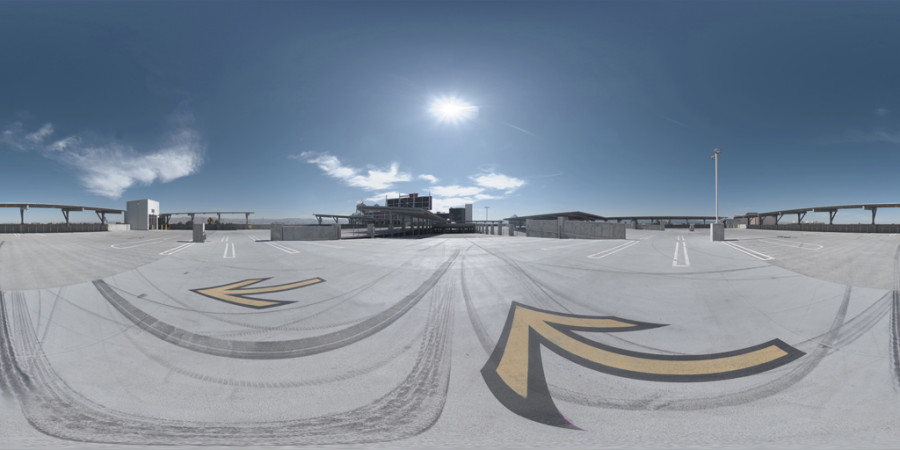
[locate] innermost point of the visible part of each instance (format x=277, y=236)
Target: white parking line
x=227, y=246
x=283, y=248
x=172, y=251
x=753, y=253
x=801, y=246
x=322, y=245
x=125, y=245
x=615, y=249
x=681, y=243
x=17, y=235
x=562, y=246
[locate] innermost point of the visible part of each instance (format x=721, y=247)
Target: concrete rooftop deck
x=143, y=338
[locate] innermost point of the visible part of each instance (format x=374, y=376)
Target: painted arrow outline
x=241, y=293
x=537, y=403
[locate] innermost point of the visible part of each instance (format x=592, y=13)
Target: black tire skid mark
x=262, y=328
x=480, y=331
x=539, y=291
x=536, y=287
x=271, y=349
x=895, y=321
x=55, y=409
x=344, y=375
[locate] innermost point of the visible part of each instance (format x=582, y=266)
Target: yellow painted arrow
x=516, y=377
x=237, y=294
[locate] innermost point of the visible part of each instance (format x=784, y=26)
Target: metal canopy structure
x=336, y=217
x=571, y=215
x=658, y=219
x=801, y=212
x=218, y=214
x=415, y=213
x=578, y=215
x=66, y=209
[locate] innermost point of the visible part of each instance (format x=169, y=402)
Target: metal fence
x=52, y=227
x=837, y=228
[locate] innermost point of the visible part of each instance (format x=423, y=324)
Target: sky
x=289, y=109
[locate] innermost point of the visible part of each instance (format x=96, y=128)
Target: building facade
x=411, y=201
x=142, y=214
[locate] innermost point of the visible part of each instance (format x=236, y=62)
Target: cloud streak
x=488, y=185
x=498, y=181
x=108, y=168
x=373, y=180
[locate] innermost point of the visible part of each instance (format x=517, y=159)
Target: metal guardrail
x=834, y=228
x=52, y=227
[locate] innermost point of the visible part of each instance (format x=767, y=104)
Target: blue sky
x=295, y=108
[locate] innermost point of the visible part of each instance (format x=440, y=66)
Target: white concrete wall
x=138, y=212
x=280, y=232
x=574, y=229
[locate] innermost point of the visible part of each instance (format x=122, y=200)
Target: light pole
x=715, y=158
x=485, y=212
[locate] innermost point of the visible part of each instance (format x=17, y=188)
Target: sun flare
x=452, y=109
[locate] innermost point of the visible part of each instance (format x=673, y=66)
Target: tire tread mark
x=270, y=349
x=54, y=408
x=895, y=321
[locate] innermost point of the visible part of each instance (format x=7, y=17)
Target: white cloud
x=108, y=168
x=498, y=181
x=10, y=136
x=455, y=191
x=38, y=136
x=881, y=112
x=429, y=178
x=380, y=198
x=374, y=179
x=63, y=144
x=486, y=197
x=443, y=204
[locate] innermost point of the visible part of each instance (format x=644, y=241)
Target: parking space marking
x=802, y=246
x=125, y=245
x=753, y=253
x=172, y=251
x=282, y=248
x=679, y=242
x=615, y=249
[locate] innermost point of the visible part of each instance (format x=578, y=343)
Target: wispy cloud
x=381, y=197
x=498, y=181
x=107, y=167
x=881, y=112
x=429, y=178
x=520, y=129
x=455, y=191
x=488, y=185
x=374, y=179
x=38, y=136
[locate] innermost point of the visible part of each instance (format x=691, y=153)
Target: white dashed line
x=753, y=253
x=172, y=251
x=615, y=249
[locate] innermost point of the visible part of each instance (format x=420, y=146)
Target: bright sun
x=452, y=109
